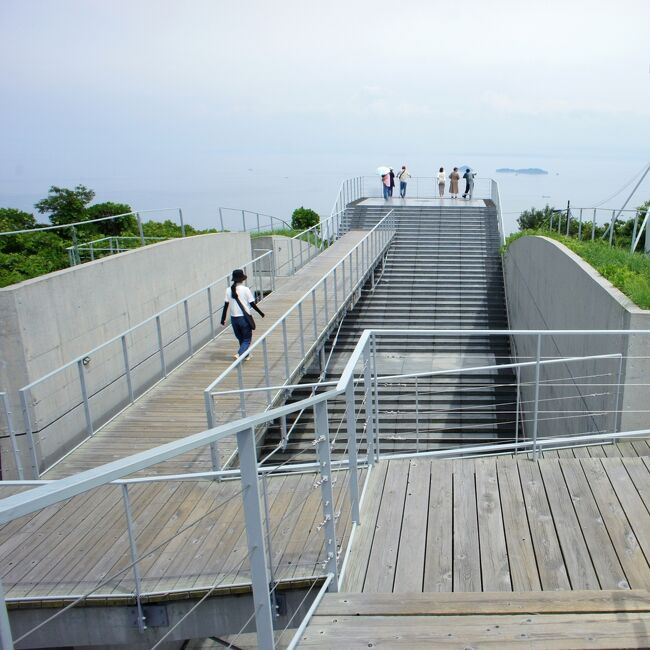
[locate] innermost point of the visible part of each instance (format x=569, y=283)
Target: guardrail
x=134, y=361
x=572, y=221
x=361, y=369
x=324, y=303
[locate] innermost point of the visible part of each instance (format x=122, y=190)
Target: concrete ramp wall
x=550, y=287
x=48, y=321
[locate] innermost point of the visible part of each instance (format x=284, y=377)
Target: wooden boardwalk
x=194, y=530
x=502, y=524
x=175, y=407
x=499, y=552
x=538, y=621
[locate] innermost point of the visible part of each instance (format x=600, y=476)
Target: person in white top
x=441, y=181
x=403, y=177
x=240, y=299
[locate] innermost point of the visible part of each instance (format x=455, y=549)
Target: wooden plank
x=635, y=509
x=521, y=554
x=526, y=602
x=550, y=563
x=620, y=532
x=495, y=571
x=603, y=554
x=190, y=548
x=467, y=561
x=409, y=574
x=527, y=631
x=574, y=549
x=438, y=569
x=383, y=555
x=360, y=552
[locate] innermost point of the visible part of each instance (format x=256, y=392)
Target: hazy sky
x=146, y=92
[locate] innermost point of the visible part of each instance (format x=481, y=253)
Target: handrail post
x=593, y=226
x=580, y=226
x=373, y=346
x=134, y=557
x=29, y=432
x=351, y=420
x=161, y=347
x=611, y=227
x=327, y=315
x=267, y=376
x=536, y=407
x=302, y=334
x=327, y=494
x=242, y=397
x=127, y=369
x=618, y=415
x=211, y=419
x=6, y=638
x=518, y=410
x=293, y=264
x=187, y=326
x=12, y=436
x=180, y=216
x=210, y=312
x=221, y=219
x=367, y=391
x=140, y=228
x=314, y=314
x=243, y=219
x=285, y=343
x=255, y=539
x=336, y=298
x=84, y=395
x=269, y=548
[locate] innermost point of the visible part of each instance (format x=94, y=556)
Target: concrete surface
x=550, y=287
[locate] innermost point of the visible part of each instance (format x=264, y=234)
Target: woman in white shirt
x=441, y=182
x=240, y=299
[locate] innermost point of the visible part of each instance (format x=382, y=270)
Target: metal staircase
x=443, y=271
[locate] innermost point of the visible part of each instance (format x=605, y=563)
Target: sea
x=277, y=183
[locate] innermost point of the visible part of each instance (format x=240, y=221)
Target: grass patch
x=628, y=272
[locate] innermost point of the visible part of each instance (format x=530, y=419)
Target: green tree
x=304, y=218
x=65, y=206
x=112, y=227
x=13, y=219
x=534, y=218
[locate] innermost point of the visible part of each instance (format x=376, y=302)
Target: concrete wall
x=549, y=287
x=48, y=321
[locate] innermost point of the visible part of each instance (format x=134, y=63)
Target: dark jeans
x=402, y=189
x=242, y=331
x=386, y=192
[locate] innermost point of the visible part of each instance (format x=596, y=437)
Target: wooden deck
x=501, y=524
x=541, y=621
x=175, y=407
x=499, y=552
x=71, y=547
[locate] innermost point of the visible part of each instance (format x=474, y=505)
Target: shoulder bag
x=247, y=316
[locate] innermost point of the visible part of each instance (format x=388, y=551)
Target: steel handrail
x=150, y=319
x=284, y=316
x=85, y=223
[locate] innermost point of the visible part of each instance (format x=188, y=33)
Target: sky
x=165, y=98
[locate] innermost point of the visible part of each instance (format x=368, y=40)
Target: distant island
x=527, y=170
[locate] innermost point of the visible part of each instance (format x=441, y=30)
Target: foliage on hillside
x=629, y=272
x=30, y=255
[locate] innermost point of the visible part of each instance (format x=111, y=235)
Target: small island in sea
x=527, y=170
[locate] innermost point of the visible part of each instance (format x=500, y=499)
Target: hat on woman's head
x=238, y=275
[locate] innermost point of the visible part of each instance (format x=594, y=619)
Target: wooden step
x=539, y=620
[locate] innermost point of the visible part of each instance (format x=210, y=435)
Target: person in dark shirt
x=469, y=183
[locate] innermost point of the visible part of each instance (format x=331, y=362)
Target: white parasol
x=382, y=171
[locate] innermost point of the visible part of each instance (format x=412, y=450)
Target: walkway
x=175, y=407
x=71, y=547
x=511, y=528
